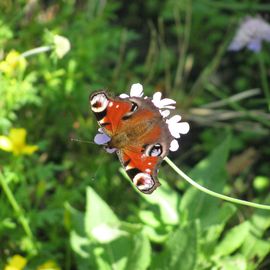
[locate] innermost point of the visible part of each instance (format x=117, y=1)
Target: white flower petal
x=157, y=100
x=156, y=97
x=175, y=119
x=174, y=131
x=174, y=145
x=167, y=101
x=101, y=138
x=124, y=96
x=183, y=127
x=165, y=113
x=136, y=90
x=176, y=127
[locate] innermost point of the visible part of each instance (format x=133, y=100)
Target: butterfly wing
x=138, y=131
x=141, y=158
x=108, y=111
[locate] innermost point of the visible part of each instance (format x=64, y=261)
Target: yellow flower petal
x=5, y=144
x=5, y=67
x=17, y=136
x=49, y=265
x=29, y=149
x=13, y=62
x=17, y=262
x=16, y=142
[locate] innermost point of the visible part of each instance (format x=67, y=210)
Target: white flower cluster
x=165, y=106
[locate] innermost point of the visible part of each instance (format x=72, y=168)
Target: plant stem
x=212, y=193
x=17, y=209
x=264, y=80
x=37, y=50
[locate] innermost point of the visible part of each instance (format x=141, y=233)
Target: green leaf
x=255, y=249
x=167, y=200
x=232, y=240
x=78, y=244
x=213, y=232
x=211, y=173
x=126, y=252
x=232, y=263
x=140, y=254
x=83, y=250
x=260, y=220
x=181, y=249
x=98, y=213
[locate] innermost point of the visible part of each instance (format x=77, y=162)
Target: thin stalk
x=264, y=80
x=164, y=54
x=182, y=48
x=212, y=193
x=17, y=209
x=37, y=50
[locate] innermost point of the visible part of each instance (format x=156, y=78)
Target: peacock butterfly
x=137, y=131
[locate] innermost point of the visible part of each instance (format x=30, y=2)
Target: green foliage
x=67, y=205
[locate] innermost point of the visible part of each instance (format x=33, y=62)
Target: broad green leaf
x=232, y=240
x=157, y=235
x=98, y=213
x=260, y=220
x=79, y=243
x=105, y=233
x=124, y=253
x=140, y=255
x=82, y=248
x=211, y=173
x=212, y=233
x=255, y=249
x=74, y=219
x=232, y=263
x=149, y=218
x=181, y=249
x=167, y=200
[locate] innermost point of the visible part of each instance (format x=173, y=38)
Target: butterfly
x=137, y=131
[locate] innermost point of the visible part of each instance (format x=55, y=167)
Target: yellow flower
x=12, y=63
x=49, y=265
x=15, y=142
x=17, y=262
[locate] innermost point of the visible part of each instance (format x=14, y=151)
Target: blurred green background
x=68, y=205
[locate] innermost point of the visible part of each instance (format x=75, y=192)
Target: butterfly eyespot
x=99, y=102
x=143, y=181
x=155, y=151
x=133, y=109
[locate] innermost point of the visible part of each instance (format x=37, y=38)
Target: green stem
x=17, y=209
x=212, y=193
x=264, y=80
x=37, y=50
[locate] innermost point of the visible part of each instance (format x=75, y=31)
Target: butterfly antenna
x=94, y=177
x=79, y=140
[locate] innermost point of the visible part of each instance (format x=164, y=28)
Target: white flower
x=250, y=34
x=176, y=128
x=136, y=90
x=62, y=45
x=165, y=103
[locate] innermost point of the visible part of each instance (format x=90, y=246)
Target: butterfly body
x=138, y=132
